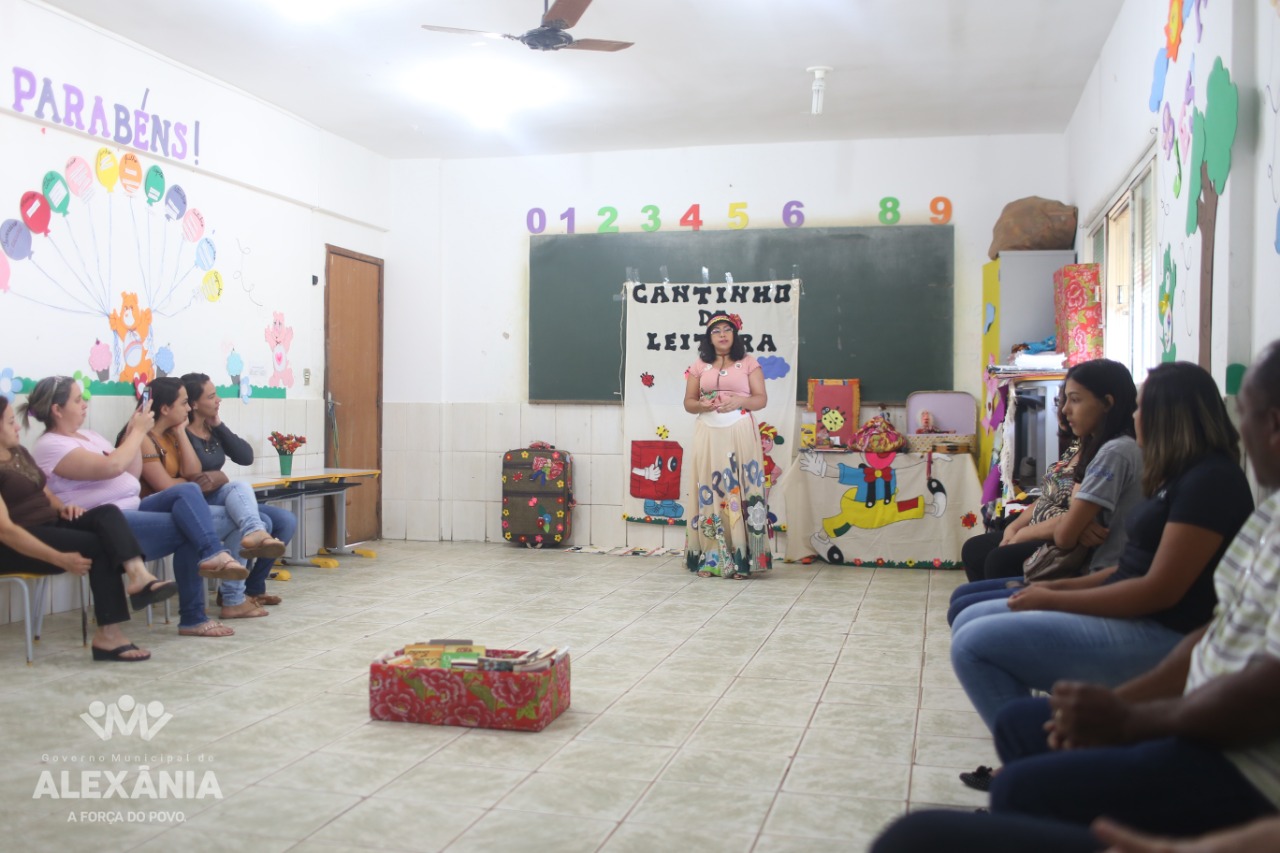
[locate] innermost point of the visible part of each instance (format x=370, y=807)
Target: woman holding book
x=728, y=535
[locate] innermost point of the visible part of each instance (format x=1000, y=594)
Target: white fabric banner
x=664, y=325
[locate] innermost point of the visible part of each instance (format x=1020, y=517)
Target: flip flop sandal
x=266, y=599
x=207, y=628
x=153, y=593
x=269, y=547
x=226, y=569
x=118, y=654
x=980, y=779
x=248, y=614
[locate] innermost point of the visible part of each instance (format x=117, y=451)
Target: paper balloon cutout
x=175, y=202
x=206, y=254
x=80, y=178
x=155, y=184
x=56, y=191
x=193, y=225
x=130, y=173
x=15, y=239
x=107, y=167
x=4, y=273
x=212, y=286
x=35, y=212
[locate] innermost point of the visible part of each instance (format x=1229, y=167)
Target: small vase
x=286, y=464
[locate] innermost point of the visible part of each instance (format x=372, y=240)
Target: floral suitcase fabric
x=1077, y=312
x=537, y=496
x=525, y=701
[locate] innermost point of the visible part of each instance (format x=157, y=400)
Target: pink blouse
x=121, y=490
x=732, y=382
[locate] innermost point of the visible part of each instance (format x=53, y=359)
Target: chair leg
x=84, y=610
x=26, y=620
x=38, y=603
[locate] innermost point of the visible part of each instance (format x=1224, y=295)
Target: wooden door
x=353, y=381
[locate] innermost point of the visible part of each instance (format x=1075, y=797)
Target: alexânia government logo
x=132, y=772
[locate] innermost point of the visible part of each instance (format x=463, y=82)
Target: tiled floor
x=796, y=712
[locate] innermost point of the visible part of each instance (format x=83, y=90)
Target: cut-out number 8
x=889, y=214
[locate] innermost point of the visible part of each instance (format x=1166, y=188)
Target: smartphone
x=144, y=399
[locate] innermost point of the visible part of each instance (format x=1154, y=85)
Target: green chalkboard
x=876, y=303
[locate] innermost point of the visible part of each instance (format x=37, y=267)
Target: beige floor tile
x=878, y=781
x=702, y=808
x=941, y=751
x=942, y=785
x=454, y=784
x=511, y=830
x=854, y=822
x=424, y=826
x=610, y=760
x=648, y=838
x=575, y=796
x=792, y=689
x=735, y=770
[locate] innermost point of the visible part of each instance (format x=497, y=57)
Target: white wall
x=448, y=438
x=273, y=190
x=1113, y=126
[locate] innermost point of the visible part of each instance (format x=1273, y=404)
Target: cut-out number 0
x=536, y=219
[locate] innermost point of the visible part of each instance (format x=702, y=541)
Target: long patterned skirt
x=729, y=532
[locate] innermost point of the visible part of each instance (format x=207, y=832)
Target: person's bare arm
x=81, y=464
x=20, y=539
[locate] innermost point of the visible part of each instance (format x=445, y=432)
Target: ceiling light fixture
x=819, y=73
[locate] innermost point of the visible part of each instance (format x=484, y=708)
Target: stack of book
x=438, y=654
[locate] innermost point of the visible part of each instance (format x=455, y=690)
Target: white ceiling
x=702, y=72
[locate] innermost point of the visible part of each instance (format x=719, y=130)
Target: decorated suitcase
x=537, y=495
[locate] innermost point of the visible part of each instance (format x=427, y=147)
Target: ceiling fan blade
x=464, y=32
x=565, y=13
x=598, y=44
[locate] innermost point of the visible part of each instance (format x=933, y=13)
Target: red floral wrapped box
x=1077, y=312
x=527, y=701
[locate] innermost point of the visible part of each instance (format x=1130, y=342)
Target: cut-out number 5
x=738, y=218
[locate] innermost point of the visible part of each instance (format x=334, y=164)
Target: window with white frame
x=1123, y=245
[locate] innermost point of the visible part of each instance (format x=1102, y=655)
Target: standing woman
x=42, y=535
x=85, y=469
x=728, y=535
x=214, y=442
x=1117, y=623
x=169, y=461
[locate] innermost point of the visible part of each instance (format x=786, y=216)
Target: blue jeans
x=968, y=594
x=281, y=524
x=175, y=522
x=241, y=504
x=1000, y=655
x=1170, y=786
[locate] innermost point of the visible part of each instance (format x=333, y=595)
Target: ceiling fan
x=559, y=17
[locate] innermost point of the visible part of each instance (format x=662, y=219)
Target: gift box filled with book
x=470, y=686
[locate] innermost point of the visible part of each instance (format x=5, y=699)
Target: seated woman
x=213, y=442
x=988, y=556
x=83, y=468
x=169, y=461
x=42, y=535
x=1089, y=507
x=1111, y=625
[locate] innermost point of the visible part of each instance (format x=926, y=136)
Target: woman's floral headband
x=725, y=317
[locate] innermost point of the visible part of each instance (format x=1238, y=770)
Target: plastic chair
x=33, y=620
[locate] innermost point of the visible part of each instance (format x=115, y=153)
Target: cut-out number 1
x=567, y=218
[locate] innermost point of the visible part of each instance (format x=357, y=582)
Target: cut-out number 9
x=940, y=207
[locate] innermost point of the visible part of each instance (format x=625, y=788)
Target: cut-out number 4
x=692, y=217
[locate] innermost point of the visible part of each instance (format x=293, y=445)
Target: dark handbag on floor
x=1049, y=562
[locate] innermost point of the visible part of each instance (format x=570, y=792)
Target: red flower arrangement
x=284, y=444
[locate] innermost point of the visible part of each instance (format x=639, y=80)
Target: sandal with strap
x=223, y=567
x=119, y=652
x=268, y=546
x=252, y=611
x=207, y=628
x=153, y=593
x=980, y=779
